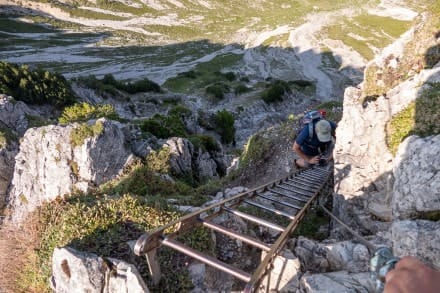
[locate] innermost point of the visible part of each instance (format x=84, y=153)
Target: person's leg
x=301, y=163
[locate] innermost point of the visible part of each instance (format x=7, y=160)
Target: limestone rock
x=185, y=159
x=7, y=162
x=363, y=164
x=14, y=114
x=341, y=282
x=75, y=271
x=285, y=274
x=418, y=238
x=417, y=172
x=323, y=257
x=48, y=165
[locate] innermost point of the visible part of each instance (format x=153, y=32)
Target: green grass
x=78, y=12
x=206, y=74
x=84, y=131
x=420, y=118
x=371, y=30
x=11, y=25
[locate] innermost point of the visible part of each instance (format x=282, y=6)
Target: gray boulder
x=185, y=159
x=13, y=114
x=341, y=282
x=416, y=190
x=339, y=256
x=418, y=238
x=48, y=165
x=75, y=271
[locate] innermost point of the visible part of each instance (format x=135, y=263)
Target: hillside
x=129, y=113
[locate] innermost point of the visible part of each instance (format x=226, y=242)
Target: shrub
x=34, y=86
x=230, y=76
x=82, y=112
x=108, y=84
x=180, y=111
x=205, y=142
x=84, y=131
x=155, y=128
x=240, y=89
x=188, y=74
x=164, y=126
x=224, y=125
x=420, y=117
x=6, y=136
x=218, y=90
x=275, y=92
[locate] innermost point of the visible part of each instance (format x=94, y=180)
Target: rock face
x=337, y=282
x=74, y=271
x=417, y=185
x=13, y=118
x=340, y=256
x=185, y=159
x=13, y=115
x=363, y=163
x=48, y=165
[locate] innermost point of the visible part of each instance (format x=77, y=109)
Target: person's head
x=323, y=130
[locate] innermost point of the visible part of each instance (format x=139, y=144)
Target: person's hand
x=314, y=160
x=411, y=275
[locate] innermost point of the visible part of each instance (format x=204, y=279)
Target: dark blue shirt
x=313, y=147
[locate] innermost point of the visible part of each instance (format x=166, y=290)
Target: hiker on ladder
x=316, y=140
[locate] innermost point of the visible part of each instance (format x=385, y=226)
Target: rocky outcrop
x=49, y=165
x=185, y=159
x=326, y=257
x=74, y=271
x=420, y=238
x=14, y=121
x=416, y=190
x=13, y=114
x=342, y=282
x=363, y=163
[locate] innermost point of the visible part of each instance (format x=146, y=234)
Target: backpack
x=309, y=118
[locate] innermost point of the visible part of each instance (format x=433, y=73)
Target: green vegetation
x=163, y=126
x=207, y=75
x=218, y=90
x=6, y=136
x=84, y=131
x=109, y=85
x=312, y=223
x=206, y=142
x=34, y=87
x=255, y=150
x=421, y=52
x=276, y=91
x=82, y=112
x=224, y=125
x=365, y=31
x=419, y=118
x=11, y=25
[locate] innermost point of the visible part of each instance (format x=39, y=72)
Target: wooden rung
x=254, y=219
x=249, y=240
x=275, y=211
x=209, y=260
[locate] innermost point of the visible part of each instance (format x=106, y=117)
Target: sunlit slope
x=160, y=39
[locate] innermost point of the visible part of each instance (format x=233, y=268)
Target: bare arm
x=411, y=275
